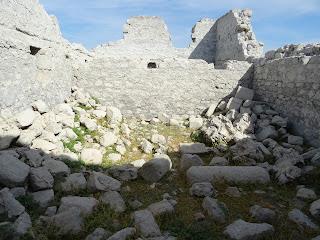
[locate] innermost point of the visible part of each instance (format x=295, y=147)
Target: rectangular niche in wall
x=34, y=50
x=152, y=65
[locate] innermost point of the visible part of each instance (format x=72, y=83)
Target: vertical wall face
x=203, y=44
x=235, y=37
x=143, y=36
x=33, y=62
x=174, y=86
x=292, y=86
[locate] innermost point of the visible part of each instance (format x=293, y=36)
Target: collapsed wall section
x=291, y=85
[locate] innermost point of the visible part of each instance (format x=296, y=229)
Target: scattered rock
x=215, y=209
x=231, y=174
x=302, y=220
x=114, y=200
x=108, y=139
x=26, y=118
x=162, y=207
x=145, y=224
x=146, y=146
x=13, y=172
x=124, y=173
x=9, y=205
x=22, y=224
x=241, y=230
x=43, y=198
x=155, y=169
x=40, y=179
x=100, y=182
x=85, y=204
x=91, y=156
x=40, y=106
x=204, y=189
x=262, y=215
x=219, y=161
x=306, y=194
x=195, y=123
x=189, y=160
x=233, y=192
x=67, y=222
x=56, y=168
x=98, y=234
x=315, y=209
x=193, y=148
x=74, y=183
x=123, y=234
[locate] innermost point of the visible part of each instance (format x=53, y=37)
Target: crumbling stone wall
x=36, y=62
x=203, y=44
x=235, y=37
x=143, y=36
x=172, y=86
x=291, y=85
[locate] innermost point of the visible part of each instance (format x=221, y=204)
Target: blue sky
x=275, y=22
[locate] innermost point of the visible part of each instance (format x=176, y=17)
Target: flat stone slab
x=231, y=174
x=193, y=148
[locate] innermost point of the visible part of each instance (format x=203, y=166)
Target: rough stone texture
x=102, y=182
x=155, y=169
x=235, y=38
x=231, y=174
x=33, y=52
x=203, y=44
x=13, y=172
x=98, y=234
x=69, y=221
x=291, y=86
x=145, y=224
x=22, y=224
x=9, y=205
x=128, y=84
x=40, y=178
x=123, y=234
x=114, y=200
x=85, y=204
x=241, y=230
x=215, y=209
x=302, y=220
x=74, y=183
x=204, y=189
x=189, y=160
x=162, y=207
x=43, y=198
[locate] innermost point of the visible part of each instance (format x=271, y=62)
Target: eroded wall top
x=235, y=37
x=143, y=36
x=29, y=17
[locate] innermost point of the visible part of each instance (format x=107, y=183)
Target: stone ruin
x=258, y=113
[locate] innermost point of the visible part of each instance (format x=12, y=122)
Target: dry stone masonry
x=213, y=141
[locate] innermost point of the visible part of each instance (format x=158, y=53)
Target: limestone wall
x=143, y=36
x=235, y=37
x=35, y=61
x=174, y=86
x=203, y=44
x=292, y=86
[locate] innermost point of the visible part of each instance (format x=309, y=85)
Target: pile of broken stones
x=250, y=141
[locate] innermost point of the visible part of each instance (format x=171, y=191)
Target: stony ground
x=83, y=171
